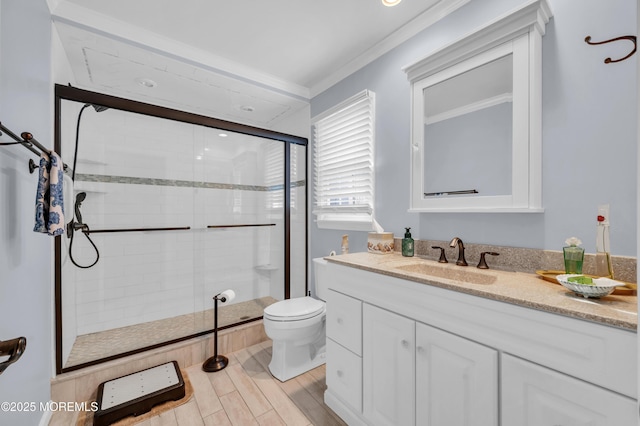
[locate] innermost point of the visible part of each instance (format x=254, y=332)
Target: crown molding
x=419, y=23
x=531, y=16
x=88, y=20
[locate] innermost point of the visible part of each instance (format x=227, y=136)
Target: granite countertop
x=518, y=288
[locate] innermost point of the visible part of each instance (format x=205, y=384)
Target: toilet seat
x=296, y=309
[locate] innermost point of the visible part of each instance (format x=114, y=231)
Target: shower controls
x=78, y=224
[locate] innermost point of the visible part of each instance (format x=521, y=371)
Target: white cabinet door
x=536, y=396
x=388, y=367
x=456, y=380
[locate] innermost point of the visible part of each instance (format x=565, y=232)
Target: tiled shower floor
x=89, y=347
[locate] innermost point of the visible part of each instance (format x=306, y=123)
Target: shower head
x=98, y=108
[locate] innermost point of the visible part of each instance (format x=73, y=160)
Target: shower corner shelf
x=267, y=267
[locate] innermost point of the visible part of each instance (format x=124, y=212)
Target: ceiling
x=252, y=61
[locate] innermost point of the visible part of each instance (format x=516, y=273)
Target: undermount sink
x=449, y=273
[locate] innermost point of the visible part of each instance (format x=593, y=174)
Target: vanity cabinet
x=388, y=366
x=456, y=380
x=416, y=354
x=416, y=374
x=534, y=395
x=344, y=347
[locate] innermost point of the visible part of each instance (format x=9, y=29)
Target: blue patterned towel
x=49, y=199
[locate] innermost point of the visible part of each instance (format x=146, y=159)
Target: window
x=343, y=162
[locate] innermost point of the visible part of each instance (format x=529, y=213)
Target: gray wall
x=589, y=133
x=26, y=286
x=478, y=143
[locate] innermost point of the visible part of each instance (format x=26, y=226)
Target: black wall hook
x=609, y=60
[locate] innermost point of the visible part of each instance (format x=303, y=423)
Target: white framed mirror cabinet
x=476, y=118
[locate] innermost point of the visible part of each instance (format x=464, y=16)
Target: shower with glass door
x=177, y=207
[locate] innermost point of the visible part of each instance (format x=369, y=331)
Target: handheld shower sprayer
x=76, y=222
x=79, y=199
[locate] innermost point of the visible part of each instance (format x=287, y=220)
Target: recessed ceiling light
x=222, y=135
x=247, y=108
x=146, y=82
x=390, y=2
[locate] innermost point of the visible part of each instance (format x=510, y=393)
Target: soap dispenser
x=407, y=243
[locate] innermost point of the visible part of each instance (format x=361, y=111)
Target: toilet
x=297, y=329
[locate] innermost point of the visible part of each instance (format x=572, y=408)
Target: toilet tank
x=319, y=270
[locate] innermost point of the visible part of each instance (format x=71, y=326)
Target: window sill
x=346, y=224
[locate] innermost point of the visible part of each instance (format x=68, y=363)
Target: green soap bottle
x=407, y=244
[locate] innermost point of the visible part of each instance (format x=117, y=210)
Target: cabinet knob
x=421, y=349
x=405, y=343
x=339, y=321
x=339, y=373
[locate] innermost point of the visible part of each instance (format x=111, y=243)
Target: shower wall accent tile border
x=130, y=180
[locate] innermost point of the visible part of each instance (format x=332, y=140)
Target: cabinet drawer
x=344, y=375
x=534, y=395
x=344, y=321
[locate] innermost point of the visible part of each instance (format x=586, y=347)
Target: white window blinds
x=343, y=161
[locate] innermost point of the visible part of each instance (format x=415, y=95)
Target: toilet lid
x=294, y=309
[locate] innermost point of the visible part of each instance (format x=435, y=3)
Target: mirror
x=468, y=123
x=476, y=126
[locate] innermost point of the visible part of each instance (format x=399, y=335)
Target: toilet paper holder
x=13, y=348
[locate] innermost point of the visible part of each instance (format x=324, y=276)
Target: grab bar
x=14, y=348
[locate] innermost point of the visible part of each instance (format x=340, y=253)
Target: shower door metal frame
x=70, y=93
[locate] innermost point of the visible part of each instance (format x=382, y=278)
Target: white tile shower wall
x=118, y=143
x=144, y=276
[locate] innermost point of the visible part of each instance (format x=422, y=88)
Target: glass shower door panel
x=170, y=214
x=130, y=182
x=298, y=215
x=239, y=207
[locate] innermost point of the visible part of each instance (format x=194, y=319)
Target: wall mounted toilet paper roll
x=229, y=295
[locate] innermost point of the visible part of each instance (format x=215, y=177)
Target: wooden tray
x=629, y=289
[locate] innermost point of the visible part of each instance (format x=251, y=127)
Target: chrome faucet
x=458, y=242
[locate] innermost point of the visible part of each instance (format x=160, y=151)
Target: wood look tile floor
x=245, y=394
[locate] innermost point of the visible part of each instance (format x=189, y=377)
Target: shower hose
x=85, y=230
x=83, y=227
